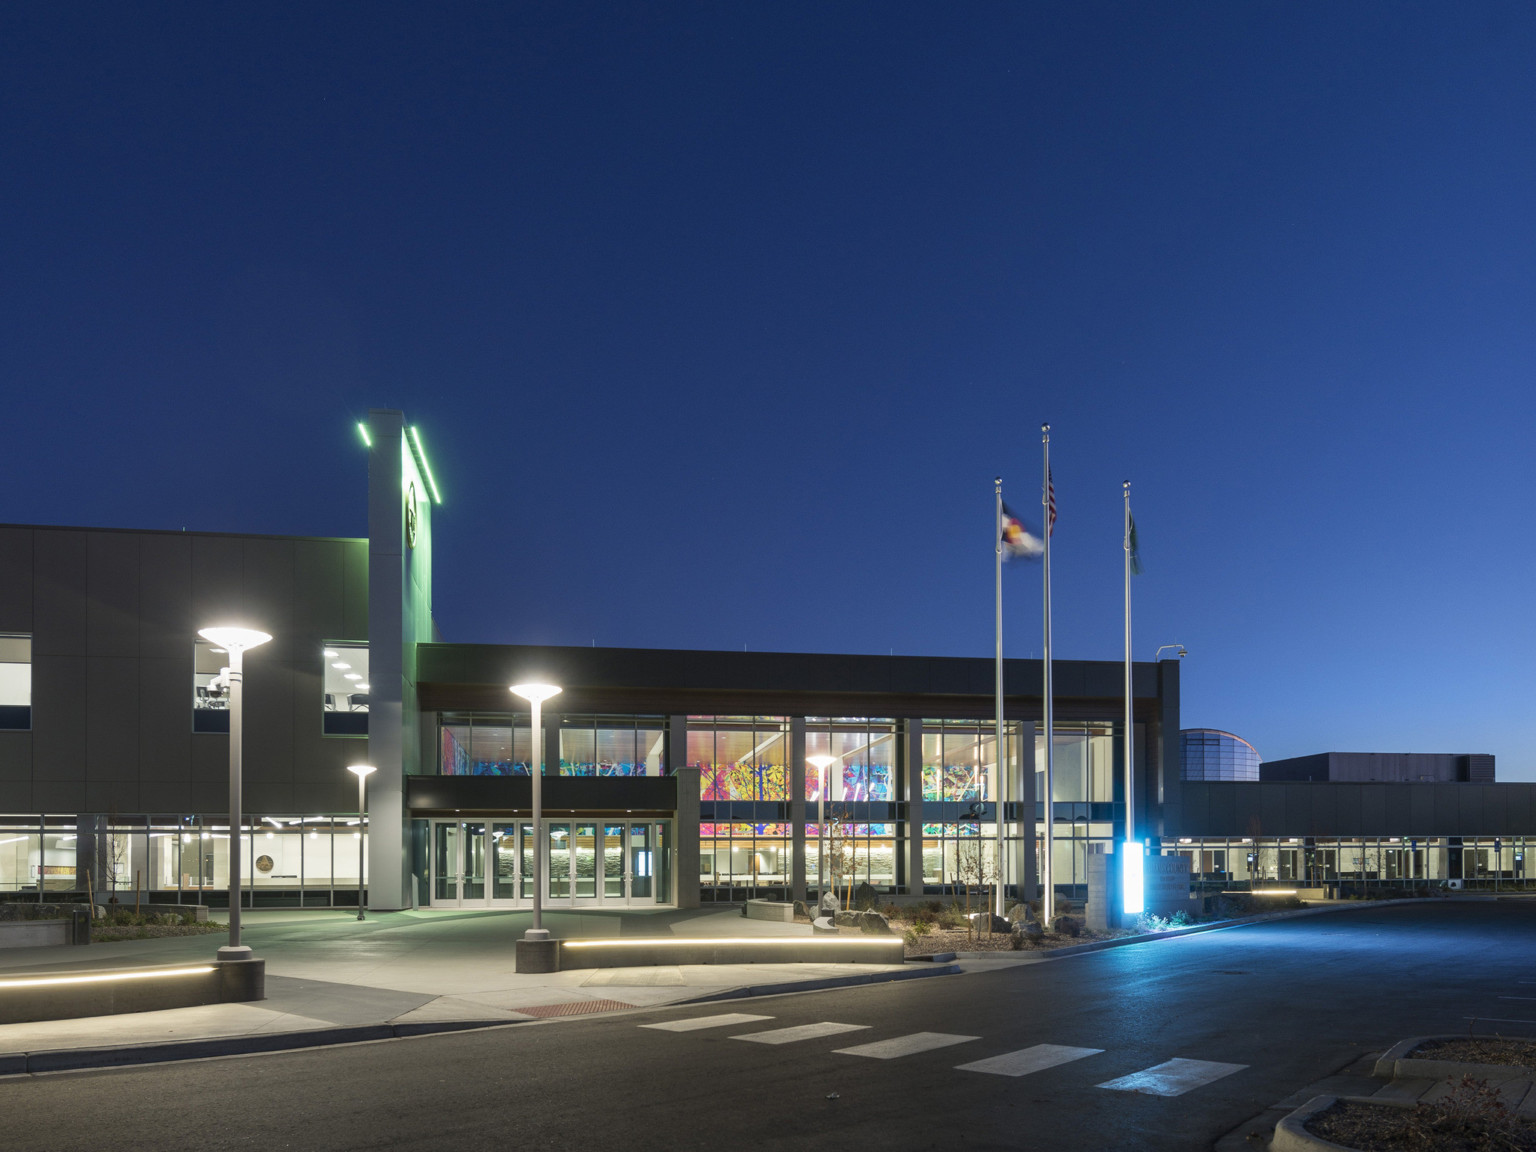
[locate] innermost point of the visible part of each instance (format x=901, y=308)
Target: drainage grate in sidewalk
x=578, y=1008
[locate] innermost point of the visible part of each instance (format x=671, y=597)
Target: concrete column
x=551, y=743
x=687, y=836
x=399, y=618
x=912, y=739
x=1163, y=798
x=797, y=806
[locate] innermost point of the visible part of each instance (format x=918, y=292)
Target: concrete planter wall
x=1291, y=1134
x=771, y=910
x=26, y=997
x=34, y=933
x=1396, y=1063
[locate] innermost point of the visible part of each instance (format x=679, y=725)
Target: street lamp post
x=235, y=641
x=821, y=764
x=362, y=771
x=536, y=693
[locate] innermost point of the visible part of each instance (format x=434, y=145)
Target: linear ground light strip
x=101, y=977
x=692, y=941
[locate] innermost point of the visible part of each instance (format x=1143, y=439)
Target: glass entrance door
x=460, y=855
x=447, y=864
x=598, y=864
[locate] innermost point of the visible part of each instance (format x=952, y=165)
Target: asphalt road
x=1264, y=1010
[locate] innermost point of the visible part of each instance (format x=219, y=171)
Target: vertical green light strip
x=362, y=430
x=421, y=455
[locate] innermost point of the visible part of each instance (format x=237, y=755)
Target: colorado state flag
x=1018, y=540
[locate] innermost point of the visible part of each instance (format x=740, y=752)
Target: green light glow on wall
x=421, y=455
x=362, y=430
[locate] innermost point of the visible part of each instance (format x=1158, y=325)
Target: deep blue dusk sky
x=718, y=320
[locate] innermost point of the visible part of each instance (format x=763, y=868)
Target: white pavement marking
x=1499, y=1019
x=1173, y=1077
x=1027, y=1060
x=905, y=1045
x=1517, y=997
x=800, y=1032
x=696, y=1022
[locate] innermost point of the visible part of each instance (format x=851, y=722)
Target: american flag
x=1050, y=503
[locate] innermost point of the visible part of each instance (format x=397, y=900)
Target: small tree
x=972, y=867
x=842, y=857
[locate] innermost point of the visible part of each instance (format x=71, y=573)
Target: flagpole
x=1130, y=720
x=1048, y=864
x=997, y=776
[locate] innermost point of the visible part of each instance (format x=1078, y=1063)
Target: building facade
x=672, y=778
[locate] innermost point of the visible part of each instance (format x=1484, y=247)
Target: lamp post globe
x=235, y=639
x=536, y=692
x=362, y=771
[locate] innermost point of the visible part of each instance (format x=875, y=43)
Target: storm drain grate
x=578, y=1008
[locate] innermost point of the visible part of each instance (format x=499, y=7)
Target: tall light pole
x=235, y=641
x=362, y=771
x=536, y=693
x=821, y=764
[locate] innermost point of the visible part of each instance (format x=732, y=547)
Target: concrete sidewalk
x=331, y=978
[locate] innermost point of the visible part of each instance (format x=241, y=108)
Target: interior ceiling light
x=339, y=664
x=330, y=653
x=364, y=687
x=353, y=676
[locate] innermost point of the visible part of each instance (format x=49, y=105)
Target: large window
x=960, y=760
x=740, y=757
x=737, y=861
x=15, y=681
x=210, y=687
x=494, y=745
x=346, y=689
x=613, y=746
x=491, y=744
x=864, y=758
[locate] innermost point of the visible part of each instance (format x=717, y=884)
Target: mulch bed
x=959, y=940
x=1474, y=1050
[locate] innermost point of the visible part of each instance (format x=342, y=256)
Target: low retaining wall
x=34, y=933
x=771, y=910
x=72, y=928
x=65, y=995
x=764, y=950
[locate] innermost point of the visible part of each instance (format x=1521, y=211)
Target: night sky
x=717, y=321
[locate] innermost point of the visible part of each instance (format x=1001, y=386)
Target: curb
x=70, y=1059
x=821, y=985
x=1291, y=1134
x=1396, y=1064
x=1172, y=933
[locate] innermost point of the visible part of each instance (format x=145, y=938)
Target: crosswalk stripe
x=694, y=1023
x=905, y=1045
x=1173, y=1077
x=1027, y=1060
x=800, y=1032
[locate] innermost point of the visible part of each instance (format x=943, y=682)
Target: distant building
x=1211, y=754
x=1381, y=767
